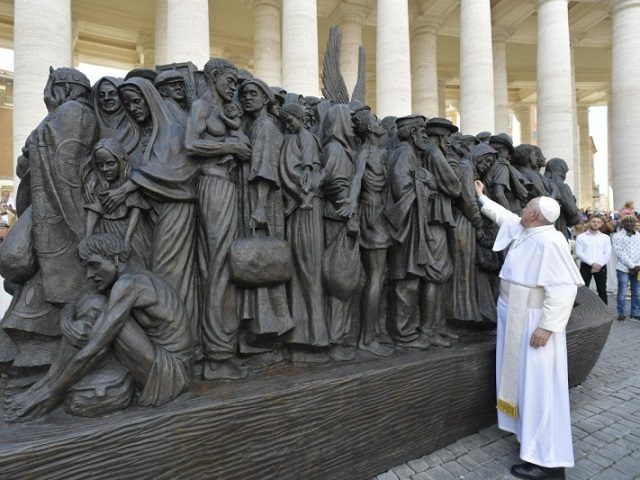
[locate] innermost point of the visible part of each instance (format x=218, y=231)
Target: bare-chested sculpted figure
x=145, y=323
x=206, y=140
x=367, y=200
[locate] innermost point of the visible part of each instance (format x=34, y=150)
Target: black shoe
x=529, y=471
x=621, y=318
x=635, y=317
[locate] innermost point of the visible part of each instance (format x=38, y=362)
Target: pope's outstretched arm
x=496, y=212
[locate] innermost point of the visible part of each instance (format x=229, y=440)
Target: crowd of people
x=607, y=246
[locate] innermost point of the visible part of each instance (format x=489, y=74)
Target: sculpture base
x=338, y=421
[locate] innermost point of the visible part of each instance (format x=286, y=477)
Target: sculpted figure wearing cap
x=171, y=86
x=539, y=282
x=410, y=188
x=446, y=171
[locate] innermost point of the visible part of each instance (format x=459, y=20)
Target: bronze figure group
x=182, y=223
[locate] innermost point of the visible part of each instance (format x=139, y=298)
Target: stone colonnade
x=406, y=66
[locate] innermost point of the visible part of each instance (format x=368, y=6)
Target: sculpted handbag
x=260, y=261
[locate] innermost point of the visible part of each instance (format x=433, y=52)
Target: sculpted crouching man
x=145, y=324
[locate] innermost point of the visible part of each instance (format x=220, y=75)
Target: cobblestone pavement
x=605, y=414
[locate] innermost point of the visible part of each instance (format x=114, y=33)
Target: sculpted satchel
x=260, y=261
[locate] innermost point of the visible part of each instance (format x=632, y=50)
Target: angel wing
x=333, y=86
x=360, y=89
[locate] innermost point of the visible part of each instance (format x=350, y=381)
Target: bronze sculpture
x=361, y=220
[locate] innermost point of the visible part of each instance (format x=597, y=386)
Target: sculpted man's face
x=101, y=271
x=173, y=90
x=420, y=138
x=253, y=99
x=226, y=84
x=503, y=152
x=108, y=97
x=540, y=161
x=136, y=105
x=107, y=165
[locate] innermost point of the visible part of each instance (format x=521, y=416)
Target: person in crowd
x=593, y=248
x=626, y=246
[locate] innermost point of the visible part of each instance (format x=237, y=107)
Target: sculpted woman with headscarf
x=112, y=117
x=165, y=174
x=337, y=161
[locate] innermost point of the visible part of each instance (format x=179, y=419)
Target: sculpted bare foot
x=377, y=348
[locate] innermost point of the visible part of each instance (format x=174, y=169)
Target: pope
x=538, y=286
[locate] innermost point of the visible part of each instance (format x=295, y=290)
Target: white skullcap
x=549, y=208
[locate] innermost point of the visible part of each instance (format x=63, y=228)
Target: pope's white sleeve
x=496, y=212
x=557, y=306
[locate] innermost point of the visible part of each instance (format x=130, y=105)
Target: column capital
x=501, y=34
x=354, y=11
x=429, y=25
x=252, y=4
x=616, y=6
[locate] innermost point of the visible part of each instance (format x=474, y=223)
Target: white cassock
x=538, y=286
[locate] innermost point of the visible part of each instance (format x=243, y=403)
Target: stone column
x=585, y=196
x=146, y=50
x=555, y=94
x=500, y=82
x=352, y=14
x=267, y=47
x=300, y=46
x=625, y=102
x=523, y=114
x=424, y=66
x=41, y=38
x=160, y=36
x=184, y=24
x=442, y=98
x=476, y=67
x=393, y=62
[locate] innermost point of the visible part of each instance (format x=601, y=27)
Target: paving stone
x=439, y=473
x=403, y=471
x=455, y=469
x=422, y=476
x=418, y=465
